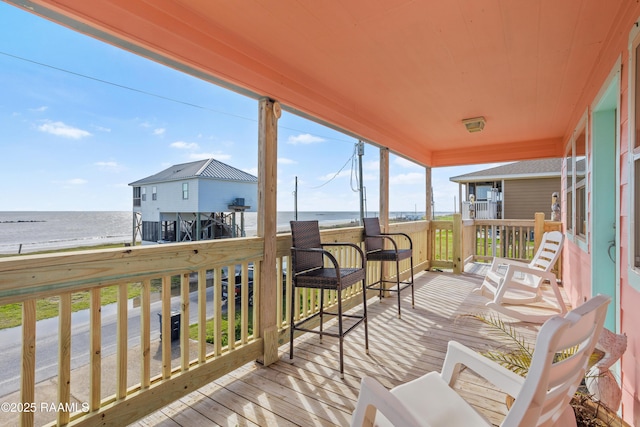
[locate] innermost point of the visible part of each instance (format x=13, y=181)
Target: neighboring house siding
x=524, y=197
x=217, y=195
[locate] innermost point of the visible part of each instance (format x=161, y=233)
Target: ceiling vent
x=475, y=124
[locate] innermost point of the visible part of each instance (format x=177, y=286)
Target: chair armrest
x=374, y=396
x=524, y=269
x=363, y=259
x=405, y=235
x=458, y=355
x=386, y=237
x=324, y=253
x=498, y=261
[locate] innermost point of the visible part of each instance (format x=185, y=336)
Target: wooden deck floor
x=310, y=391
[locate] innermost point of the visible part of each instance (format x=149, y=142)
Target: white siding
x=205, y=195
x=216, y=196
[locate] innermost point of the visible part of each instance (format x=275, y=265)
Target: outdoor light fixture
x=475, y=124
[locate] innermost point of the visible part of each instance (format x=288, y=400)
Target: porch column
x=269, y=113
x=384, y=188
x=428, y=214
x=384, y=204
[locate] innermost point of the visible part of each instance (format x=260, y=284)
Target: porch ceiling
x=397, y=73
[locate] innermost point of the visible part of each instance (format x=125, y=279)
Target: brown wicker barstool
x=374, y=246
x=308, y=260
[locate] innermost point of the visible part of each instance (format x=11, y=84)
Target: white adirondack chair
x=541, y=398
x=511, y=283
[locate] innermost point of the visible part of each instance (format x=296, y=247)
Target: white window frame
x=633, y=156
x=185, y=191
x=571, y=216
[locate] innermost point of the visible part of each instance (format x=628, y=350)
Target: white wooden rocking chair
x=541, y=398
x=512, y=283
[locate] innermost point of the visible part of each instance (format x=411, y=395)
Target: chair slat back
x=559, y=363
x=548, y=252
x=305, y=235
x=372, y=228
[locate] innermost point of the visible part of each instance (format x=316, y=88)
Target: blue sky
x=74, y=139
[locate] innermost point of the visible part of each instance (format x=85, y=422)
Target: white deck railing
x=480, y=210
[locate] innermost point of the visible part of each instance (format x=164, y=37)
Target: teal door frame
x=605, y=203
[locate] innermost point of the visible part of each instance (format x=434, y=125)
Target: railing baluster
x=289, y=292
x=184, y=321
x=145, y=334
x=244, y=312
x=202, y=315
x=231, y=304
x=121, y=349
x=64, y=355
x=217, y=305
x=95, y=356
x=165, y=333
x=28, y=374
x=255, y=319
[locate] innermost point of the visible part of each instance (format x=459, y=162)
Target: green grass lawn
x=193, y=329
x=11, y=314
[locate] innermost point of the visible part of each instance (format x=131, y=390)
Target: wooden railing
x=182, y=280
x=213, y=338
x=484, y=239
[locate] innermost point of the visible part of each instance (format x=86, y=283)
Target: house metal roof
x=544, y=168
x=208, y=169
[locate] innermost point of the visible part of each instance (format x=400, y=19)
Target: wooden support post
x=538, y=230
x=384, y=189
x=384, y=205
x=269, y=113
x=428, y=215
x=458, y=260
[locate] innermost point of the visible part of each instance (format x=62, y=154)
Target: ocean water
x=24, y=232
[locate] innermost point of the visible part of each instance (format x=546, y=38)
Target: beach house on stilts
x=193, y=201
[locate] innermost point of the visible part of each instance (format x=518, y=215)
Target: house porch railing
x=185, y=279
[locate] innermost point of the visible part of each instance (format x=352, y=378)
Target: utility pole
x=361, y=184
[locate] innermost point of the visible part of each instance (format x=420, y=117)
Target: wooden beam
x=428, y=215
x=269, y=113
x=384, y=188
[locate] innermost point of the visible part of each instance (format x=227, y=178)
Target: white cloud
x=342, y=174
x=61, y=129
x=77, y=181
x=371, y=165
x=252, y=171
x=404, y=163
x=109, y=166
x=39, y=109
x=304, y=138
x=218, y=156
x=181, y=145
x=102, y=129
x=159, y=131
x=74, y=181
x=407, y=178
x=285, y=161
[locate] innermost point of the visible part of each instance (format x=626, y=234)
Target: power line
x=155, y=95
x=336, y=174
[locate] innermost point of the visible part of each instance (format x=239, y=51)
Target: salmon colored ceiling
x=398, y=73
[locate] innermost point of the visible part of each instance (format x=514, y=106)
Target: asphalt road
x=47, y=339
